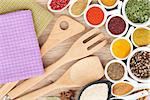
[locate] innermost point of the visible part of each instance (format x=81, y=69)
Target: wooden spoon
x=86, y=45
x=64, y=28
x=84, y=71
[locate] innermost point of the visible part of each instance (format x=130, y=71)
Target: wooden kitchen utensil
x=6, y=88
x=86, y=45
x=64, y=28
x=59, y=33
x=84, y=71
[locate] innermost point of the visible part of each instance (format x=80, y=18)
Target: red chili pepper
x=58, y=4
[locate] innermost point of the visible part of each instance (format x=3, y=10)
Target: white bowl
x=89, y=1
x=128, y=64
x=133, y=33
x=104, y=11
x=120, y=51
x=130, y=22
x=125, y=71
x=109, y=7
x=55, y=11
x=120, y=35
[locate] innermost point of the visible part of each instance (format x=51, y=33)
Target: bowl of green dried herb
x=137, y=12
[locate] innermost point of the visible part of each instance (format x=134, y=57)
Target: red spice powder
x=95, y=15
x=116, y=25
x=58, y=4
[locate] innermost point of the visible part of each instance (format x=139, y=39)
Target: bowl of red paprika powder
x=58, y=5
x=95, y=15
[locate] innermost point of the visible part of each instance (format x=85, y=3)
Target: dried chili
x=58, y=4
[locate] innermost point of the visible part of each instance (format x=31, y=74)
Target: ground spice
x=58, y=4
x=121, y=88
x=95, y=15
x=108, y=2
x=121, y=48
x=140, y=64
x=79, y=7
x=141, y=37
x=115, y=71
x=116, y=25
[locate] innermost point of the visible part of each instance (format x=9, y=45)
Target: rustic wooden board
x=57, y=52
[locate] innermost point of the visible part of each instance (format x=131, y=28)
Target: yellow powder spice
x=109, y=2
x=121, y=48
x=141, y=37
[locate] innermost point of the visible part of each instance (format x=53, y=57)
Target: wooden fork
x=86, y=45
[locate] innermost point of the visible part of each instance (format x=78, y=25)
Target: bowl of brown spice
x=138, y=64
x=115, y=71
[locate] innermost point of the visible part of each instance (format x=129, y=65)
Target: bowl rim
x=56, y=11
x=130, y=22
x=114, y=42
x=128, y=64
x=104, y=11
x=106, y=25
x=109, y=7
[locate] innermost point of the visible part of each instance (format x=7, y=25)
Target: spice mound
x=121, y=48
x=79, y=7
x=108, y=2
x=58, y=4
x=141, y=37
x=95, y=15
x=116, y=25
x=138, y=11
x=122, y=88
x=95, y=92
x=140, y=64
x=115, y=71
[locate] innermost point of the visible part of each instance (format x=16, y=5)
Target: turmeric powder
x=121, y=48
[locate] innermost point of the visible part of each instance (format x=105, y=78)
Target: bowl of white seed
x=138, y=64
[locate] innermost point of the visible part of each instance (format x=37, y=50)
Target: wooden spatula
x=84, y=71
x=64, y=28
x=86, y=45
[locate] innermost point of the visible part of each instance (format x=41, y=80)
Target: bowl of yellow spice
x=121, y=48
x=77, y=7
x=140, y=36
x=109, y=4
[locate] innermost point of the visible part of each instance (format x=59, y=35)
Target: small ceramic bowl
x=55, y=11
x=113, y=35
x=128, y=64
x=109, y=7
x=130, y=22
x=115, y=61
x=133, y=33
x=125, y=38
x=89, y=1
x=104, y=11
x=98, y=82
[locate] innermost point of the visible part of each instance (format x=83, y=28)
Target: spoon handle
x=137, y=95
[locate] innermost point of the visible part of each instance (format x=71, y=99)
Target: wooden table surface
x=54, y=54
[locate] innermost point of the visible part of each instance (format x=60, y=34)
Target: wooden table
x=57, y=52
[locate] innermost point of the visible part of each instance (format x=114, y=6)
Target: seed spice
x=140, y=64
